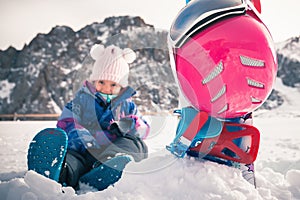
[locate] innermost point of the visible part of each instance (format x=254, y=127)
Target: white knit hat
x=111, y=63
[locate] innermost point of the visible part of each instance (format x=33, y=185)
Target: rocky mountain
x=288, y=56
x=45, y=74
x=288, y=53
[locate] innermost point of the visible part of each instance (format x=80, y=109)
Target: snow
x=291, y=106
x=6, y=89
x=162, y=176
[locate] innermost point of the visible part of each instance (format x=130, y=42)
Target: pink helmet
x=224, y=58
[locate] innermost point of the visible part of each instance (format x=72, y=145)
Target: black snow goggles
x=198, y=14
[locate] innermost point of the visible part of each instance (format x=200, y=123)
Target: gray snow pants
x=76, y=164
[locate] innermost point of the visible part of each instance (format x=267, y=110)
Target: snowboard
x=257, y=5
x=47, y=151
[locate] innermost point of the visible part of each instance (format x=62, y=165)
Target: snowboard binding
x=202, y=136
x=229, y=144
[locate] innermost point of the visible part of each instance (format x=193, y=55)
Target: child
x=102, y=123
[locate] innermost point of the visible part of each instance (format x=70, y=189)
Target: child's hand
x=125, y=125
x=114, y=129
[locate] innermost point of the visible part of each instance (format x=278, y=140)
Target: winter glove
x=123, y=127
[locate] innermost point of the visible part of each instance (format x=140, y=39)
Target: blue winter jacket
x=87, y=118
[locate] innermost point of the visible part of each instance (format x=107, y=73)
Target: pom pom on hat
x=111, y=63
x=96, y=51
x=129, y=55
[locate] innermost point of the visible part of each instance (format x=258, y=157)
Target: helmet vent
x=219, y=94
x=254, y=83
x=225, y=107
x=255, y=100
x=216, y=71
x=251, y=62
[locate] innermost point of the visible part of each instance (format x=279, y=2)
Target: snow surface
x=162, y=176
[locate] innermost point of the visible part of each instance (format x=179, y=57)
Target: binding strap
x=189, y=125
x=224, y=146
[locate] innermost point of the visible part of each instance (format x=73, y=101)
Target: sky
x=22, y=20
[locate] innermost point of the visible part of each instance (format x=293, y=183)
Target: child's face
x=107, y=87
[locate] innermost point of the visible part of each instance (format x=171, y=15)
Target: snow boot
x=47, y=151
x=107, y=173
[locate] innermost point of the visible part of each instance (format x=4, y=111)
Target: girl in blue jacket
x=102, y=122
